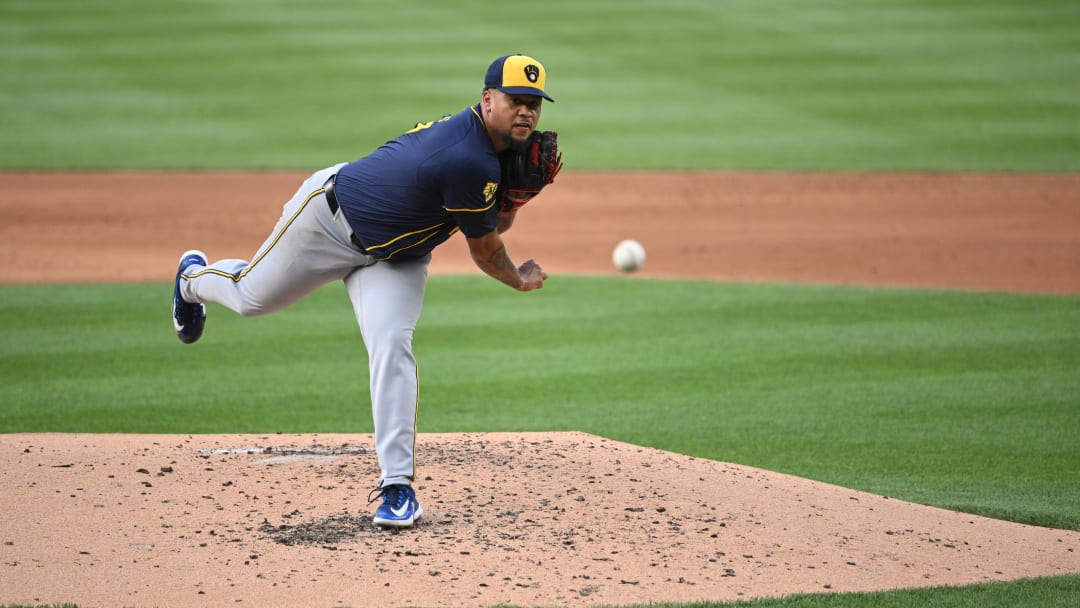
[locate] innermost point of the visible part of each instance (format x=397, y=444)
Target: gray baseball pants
x=310, y=247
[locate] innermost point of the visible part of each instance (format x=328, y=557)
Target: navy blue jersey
x=417, y=190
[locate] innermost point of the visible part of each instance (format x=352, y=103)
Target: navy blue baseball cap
x=517, y=75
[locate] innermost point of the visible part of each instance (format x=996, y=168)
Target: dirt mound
x=526, y=519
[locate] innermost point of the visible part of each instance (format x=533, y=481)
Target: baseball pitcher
x=373, y=224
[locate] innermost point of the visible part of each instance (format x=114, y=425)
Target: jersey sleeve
x=469, y=196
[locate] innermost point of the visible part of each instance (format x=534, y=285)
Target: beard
x=516, y=145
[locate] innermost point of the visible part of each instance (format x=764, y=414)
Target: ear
x=486, y=100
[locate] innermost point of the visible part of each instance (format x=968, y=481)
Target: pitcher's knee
x=391, y=343
x=251, y=309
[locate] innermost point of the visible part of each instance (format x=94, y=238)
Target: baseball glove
x=524, y=174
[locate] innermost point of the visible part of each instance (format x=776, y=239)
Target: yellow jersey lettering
x=420, y=126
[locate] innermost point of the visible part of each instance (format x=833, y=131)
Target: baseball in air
x=628, y=255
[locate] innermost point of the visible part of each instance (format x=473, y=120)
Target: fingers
x=532, y=275
x=533, y=267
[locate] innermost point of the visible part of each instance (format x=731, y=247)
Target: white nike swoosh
x=400, y=512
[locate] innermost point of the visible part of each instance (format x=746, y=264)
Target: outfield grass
x=961, y=400
x=937, y=85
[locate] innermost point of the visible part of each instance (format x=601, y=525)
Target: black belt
x=331, y=201
x=331, y=198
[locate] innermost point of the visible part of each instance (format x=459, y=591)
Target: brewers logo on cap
x=517, y=75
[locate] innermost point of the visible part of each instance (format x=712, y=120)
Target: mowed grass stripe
x=816, y=85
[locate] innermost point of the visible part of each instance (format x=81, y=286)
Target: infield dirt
x=525, y=519
x=984, y=232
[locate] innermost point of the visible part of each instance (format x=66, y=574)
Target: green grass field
x=966, y=401
x=932, y=85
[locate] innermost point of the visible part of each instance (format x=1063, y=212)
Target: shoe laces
x=396, y=495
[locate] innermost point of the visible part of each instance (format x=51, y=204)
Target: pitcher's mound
x=524, y=519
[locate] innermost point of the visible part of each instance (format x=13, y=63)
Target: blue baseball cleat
x=399, y=508
x=188, y=318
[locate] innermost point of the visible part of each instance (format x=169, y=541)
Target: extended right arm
x=489, y=254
